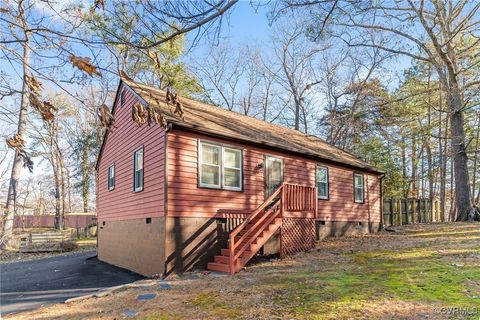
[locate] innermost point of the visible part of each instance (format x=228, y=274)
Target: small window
x=232, y=172
x=359, y=187
x=220, y=167
x=138, y=170
x=122, y=98
x=322, y=182
x=111, y=177
x=210, y=165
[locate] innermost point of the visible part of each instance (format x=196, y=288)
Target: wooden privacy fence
x=407, y=211
x=48, y=221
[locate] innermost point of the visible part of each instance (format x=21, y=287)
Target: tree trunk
x=428, y=149
x=404, y=166
x=85, y=178
x=453, y=209
x=475, y=163
x=414, y=168
x=58, y=202
x=442, y=145
x=463, y=201
x=17, y=160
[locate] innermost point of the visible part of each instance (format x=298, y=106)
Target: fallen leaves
x=45, y=108
x=148, y=114
x=33, y=84
x=100, y=3
x=158, y=119
x=27, y=161
x=106, y=118
x=139, y=114
x=85, y=65
x=172, y=98
x=18, y=143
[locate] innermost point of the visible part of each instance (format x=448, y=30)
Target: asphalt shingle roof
x=215, y=120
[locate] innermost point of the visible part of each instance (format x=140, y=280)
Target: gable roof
x=212, y=120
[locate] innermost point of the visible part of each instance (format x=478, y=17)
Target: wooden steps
x=260, y=225
x=251, y=245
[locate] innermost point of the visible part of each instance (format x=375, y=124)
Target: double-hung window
x=138, y=170
x=220, y=167
x=111, y=177
x=359, y=187
x=322, y=182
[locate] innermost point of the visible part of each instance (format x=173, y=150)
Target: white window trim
x=200, y=170
x=355, y=188
x=221, y=166
x=140, y=188
x=328, y=182
x=112, y=187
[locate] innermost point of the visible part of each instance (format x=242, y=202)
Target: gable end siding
x=123, y=203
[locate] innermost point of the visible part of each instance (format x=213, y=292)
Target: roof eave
x=272, y=146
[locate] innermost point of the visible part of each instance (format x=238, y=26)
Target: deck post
x=232, y=253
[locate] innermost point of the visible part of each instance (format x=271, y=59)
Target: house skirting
x=133, y=244
x=169, y=245
x=327, y=229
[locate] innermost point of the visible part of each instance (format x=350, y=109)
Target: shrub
x=68, y=246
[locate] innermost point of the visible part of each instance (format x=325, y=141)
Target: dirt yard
x=422, y=272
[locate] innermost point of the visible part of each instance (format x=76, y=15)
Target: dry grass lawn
x=411, y=274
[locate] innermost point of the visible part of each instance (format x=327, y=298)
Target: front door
x=273, y=174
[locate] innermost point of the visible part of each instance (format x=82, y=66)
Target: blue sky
x=245, y=23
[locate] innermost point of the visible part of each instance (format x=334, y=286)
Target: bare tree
x=297, y=68
x=441, y=34
x=165, y=21
x=220, y=75
x=23, y=39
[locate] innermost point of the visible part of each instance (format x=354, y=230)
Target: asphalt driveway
x=28, y=285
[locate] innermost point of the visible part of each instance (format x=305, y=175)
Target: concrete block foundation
x=327, y=229
x=137, y=244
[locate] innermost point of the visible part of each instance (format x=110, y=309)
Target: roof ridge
x=249, y=117
x=310, y=143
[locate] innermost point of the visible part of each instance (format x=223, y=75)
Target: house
x=217, y=187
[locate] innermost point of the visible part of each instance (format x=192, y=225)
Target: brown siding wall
x=186, y=199
x=123, y=203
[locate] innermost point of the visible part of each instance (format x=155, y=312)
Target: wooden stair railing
x=260, y=225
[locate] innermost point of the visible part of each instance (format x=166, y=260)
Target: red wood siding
x=341, y=206
x=186, y=199
x=123, y=203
